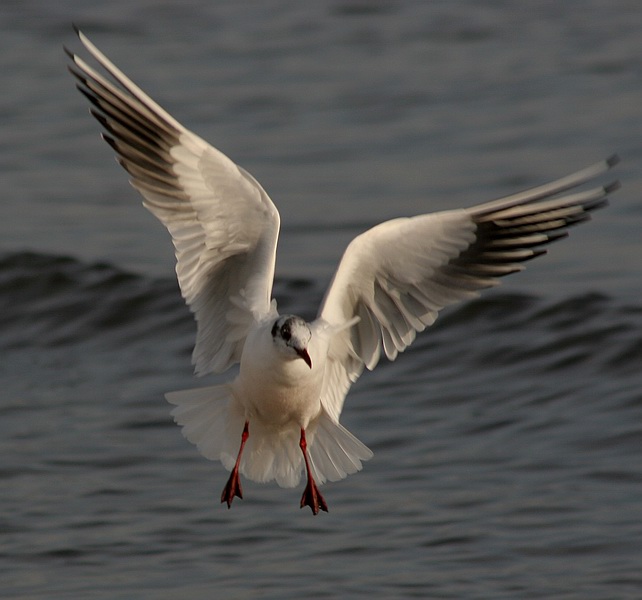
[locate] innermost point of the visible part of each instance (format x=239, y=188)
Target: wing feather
x=397, y=276
x=223, y=224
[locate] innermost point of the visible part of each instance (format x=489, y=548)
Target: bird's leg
x=233, y=486
x=311, y=495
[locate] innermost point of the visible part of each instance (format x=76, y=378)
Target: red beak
x=303, y=353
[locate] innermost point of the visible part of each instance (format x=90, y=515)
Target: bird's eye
x=286, y=334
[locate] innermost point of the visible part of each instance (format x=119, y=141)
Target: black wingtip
x=68, y=52
x=612, y=160
x=533, y=254
x=110, y=140
x=612, y=187
x=554, y=236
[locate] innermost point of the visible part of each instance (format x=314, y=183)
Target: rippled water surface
x=507, y=440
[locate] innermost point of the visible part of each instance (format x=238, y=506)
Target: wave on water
x=513, y=416
x=55, y=300
x=51, y=301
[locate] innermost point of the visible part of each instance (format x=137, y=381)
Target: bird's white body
x=280, y=416
x=279, y=390
x=279, y=394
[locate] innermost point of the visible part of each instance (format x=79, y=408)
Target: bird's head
x=291, y=335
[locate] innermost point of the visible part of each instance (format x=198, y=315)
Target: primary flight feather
x=280, y=415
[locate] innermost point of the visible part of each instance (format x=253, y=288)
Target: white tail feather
x=202, y=414
x=213, y=420
x=335, y=453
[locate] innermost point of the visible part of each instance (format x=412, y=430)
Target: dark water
x=507, y=440
x=507, y=455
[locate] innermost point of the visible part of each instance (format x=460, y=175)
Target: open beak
x=303, y=353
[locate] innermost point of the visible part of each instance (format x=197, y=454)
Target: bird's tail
x=204, y=415
x=334, y=452
x=212, y=420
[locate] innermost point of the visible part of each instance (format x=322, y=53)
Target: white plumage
x=280, y=415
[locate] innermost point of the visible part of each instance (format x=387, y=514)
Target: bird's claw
x=232, y=488
x=312, y=497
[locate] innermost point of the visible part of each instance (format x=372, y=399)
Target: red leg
x=311, y=495
x=233, y=486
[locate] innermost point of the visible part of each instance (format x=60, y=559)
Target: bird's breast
x=278, y=399
x=278, y=390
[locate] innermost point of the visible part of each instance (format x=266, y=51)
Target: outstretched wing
x=397, y=276
x=223, y=224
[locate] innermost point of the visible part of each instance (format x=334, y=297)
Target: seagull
x=279, y=415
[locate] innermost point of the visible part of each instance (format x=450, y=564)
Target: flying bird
x=279, y=416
